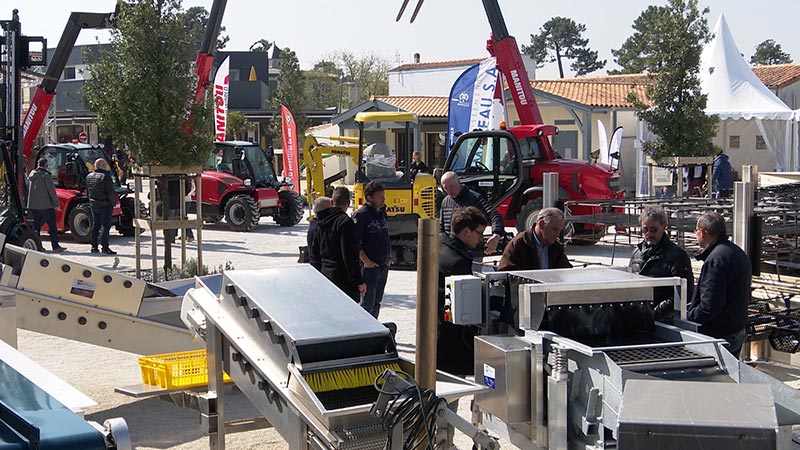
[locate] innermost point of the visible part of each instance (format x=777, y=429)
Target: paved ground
x=155, y=424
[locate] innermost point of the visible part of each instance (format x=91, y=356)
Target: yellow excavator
x=407, y=199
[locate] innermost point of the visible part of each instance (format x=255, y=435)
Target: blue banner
x=471, y=100
x=459, y=107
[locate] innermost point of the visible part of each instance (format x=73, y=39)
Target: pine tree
x=561, y=38
x=770, y=52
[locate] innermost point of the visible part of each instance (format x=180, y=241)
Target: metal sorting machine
x=60, y=297
x=589, y=368
x=40, y=411
x=305, y=355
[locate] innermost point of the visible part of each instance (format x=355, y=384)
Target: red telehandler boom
x=47, y=88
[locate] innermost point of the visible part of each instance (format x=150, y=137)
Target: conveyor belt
x=657, y=358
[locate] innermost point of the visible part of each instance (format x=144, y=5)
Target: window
x=733, y=141
x=66, y=133
x=69, y=73
x=761, y=144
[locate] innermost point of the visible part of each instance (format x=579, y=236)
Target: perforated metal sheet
x=653, y=355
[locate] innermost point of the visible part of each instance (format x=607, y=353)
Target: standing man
x=458, y=197
x=538, y=248
x=102, y=198
x=455, y=352
x=372, y=232
x=43, y=202
x=657, y=256
x=334, y=249
x=719, y=302
x=320, y=204
x=721, y=176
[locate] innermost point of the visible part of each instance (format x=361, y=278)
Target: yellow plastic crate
x=176, y=370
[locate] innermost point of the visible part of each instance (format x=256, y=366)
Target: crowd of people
x=354, y=253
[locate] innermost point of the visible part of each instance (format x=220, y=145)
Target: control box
x=463, y=296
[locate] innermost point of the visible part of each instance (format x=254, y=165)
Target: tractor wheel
x=526, y=219
x=291, y=210
x=26, y=238
x=241, y=213
x=80, y=223
x=125, y=226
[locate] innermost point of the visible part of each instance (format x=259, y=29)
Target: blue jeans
x=102, y=219
x=375, y=278
x=48, y=216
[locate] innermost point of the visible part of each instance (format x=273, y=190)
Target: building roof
x=778, y=75
x=605, y=91
x=437, y=65
x=420, y=105
x=608, y=91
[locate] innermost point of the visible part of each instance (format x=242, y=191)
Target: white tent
x=736, y=94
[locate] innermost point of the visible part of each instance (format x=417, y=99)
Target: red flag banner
x=291, y=166
x=221, y=83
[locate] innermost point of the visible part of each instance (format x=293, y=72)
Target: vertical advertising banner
x=472, y=101
x=290, y=152
x=221, y=83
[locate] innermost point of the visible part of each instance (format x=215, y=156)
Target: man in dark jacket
x=372, y=234
x=657, y=256
x=102, y=198
x=43, y=202
x=459, y=197
x=334, y=249
x=719, y=303
x=455, y=353
x=721, y=176
x=537, y=248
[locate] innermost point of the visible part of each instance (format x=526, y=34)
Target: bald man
x=459, y=196
x=102, y=198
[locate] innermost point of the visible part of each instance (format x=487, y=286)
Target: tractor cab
x=69, y=164
x=245, y=160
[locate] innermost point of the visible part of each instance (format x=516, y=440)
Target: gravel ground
x=156, y=424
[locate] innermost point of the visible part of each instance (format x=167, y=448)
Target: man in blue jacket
x=372, y=232
x=722, y=176
x=719, y=302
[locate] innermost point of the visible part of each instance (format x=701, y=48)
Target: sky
x=444, y=30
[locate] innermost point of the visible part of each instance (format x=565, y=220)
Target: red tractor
x=240, y=184
x=69, y=165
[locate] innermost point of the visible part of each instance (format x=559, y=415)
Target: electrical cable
x=414, y=408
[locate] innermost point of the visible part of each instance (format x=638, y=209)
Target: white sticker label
x=488, y=376
x=82, y=288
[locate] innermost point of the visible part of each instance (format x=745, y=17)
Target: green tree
x=768, y=53
x=290, y=92
x=642, y=50
x=195, y=23
x=676, y=108
x=237, y=125
x=562, y=38
x=142, y=88
x=324, y=86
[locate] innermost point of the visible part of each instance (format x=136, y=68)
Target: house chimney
x=416, y=58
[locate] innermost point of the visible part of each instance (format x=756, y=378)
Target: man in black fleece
x=334, y=248
x=719, y=303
